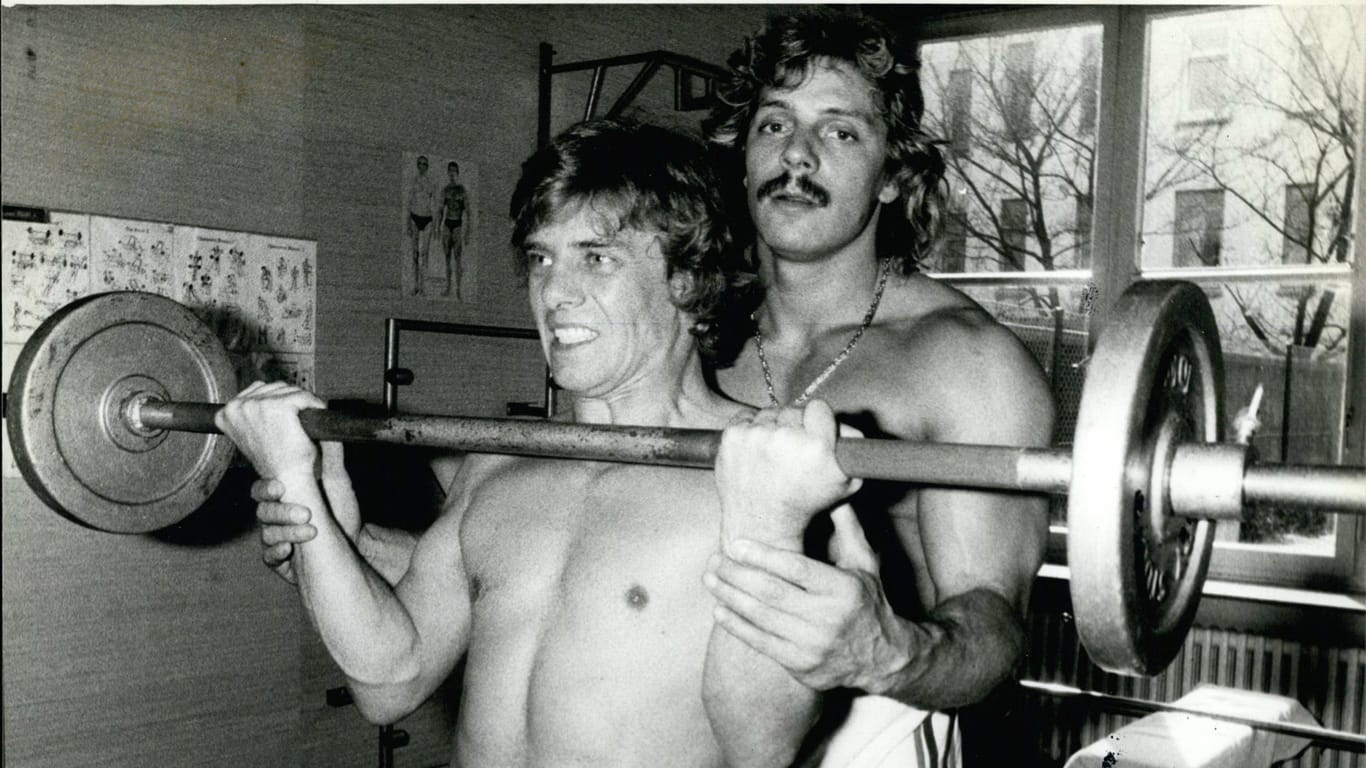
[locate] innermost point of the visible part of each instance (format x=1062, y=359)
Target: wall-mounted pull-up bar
x=688, y=73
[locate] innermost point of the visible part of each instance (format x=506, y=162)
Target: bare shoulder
x=948, y=331
x=462, y=475
x=974, y=379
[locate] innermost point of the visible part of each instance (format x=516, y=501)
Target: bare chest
x=553, y=532
x=875, y=386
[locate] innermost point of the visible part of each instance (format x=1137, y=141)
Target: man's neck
x=805, y=297
x=680, y=400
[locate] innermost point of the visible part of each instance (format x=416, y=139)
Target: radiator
x=1330, y=682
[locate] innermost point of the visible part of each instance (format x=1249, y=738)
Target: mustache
x=805, y=186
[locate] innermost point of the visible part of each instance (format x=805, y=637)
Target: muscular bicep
x=973, y=539
x=435, y=593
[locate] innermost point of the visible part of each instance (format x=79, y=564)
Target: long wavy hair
x=650, y=179
x=784, y=53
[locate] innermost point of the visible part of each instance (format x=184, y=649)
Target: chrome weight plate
x=1154, y=381
x=70, y=396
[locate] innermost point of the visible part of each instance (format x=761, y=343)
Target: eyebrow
x=600, y=243
x=854, y=114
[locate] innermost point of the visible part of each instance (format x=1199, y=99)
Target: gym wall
x=180, y=648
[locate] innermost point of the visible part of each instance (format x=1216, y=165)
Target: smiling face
x=814, y=160
x=604, y=306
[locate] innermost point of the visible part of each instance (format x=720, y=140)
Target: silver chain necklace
x=829, y=369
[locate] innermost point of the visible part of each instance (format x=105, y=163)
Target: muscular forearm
x=363, y=625
x=969, y=645
x=759, y=713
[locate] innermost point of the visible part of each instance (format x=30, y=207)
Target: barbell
x=112, y=399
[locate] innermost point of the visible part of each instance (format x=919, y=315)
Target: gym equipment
x=112, y=400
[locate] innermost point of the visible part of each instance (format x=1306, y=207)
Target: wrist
x=299, y=486
x=894, y=662
x=795, y=544
x=776, y=526
x=777, y=537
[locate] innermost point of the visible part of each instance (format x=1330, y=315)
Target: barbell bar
x=111, y=405
x=959, y=465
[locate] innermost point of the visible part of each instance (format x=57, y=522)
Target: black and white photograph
x=638, y=385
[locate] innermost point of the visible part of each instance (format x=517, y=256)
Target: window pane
x=1251, y=120
x=1289, y=337
x=1257, y=106
x=1295, y=248
x=1017, y=113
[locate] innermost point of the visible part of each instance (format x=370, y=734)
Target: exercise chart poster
x=257, y=292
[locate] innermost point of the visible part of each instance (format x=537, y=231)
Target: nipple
x=637, y=597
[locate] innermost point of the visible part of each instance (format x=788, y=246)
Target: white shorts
x=884, y=733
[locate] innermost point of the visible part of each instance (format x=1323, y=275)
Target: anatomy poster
x=257, y=292
x=437, y=220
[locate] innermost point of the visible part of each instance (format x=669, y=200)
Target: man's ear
x=680, y=287
x=890, y=191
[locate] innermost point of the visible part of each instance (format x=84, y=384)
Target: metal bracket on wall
x=396, y=376
x=390, y=739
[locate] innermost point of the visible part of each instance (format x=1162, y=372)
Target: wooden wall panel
x=177, y=649
x=291, y=120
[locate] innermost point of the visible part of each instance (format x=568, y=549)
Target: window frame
x=1115, y=235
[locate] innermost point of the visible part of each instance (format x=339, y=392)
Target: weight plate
x=71, y=387
x=1154, y=380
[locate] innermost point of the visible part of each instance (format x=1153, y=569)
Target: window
x=1206, y=72
x=1020, y=89
x=1209, y=159
x=1246, y=211
x=1081, y=228
x=960, y=111
x=1014, y=228
x=978, y=92
x=1198, y=232
x=955, y=243
x=1297, y=234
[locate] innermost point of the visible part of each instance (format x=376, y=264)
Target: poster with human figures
x=437, y=219
x=281, y=302
x=130, y=255
x=257, y=292
x=46, y=266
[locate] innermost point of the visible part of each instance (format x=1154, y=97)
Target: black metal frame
x=396, y=376
x=687, y=70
